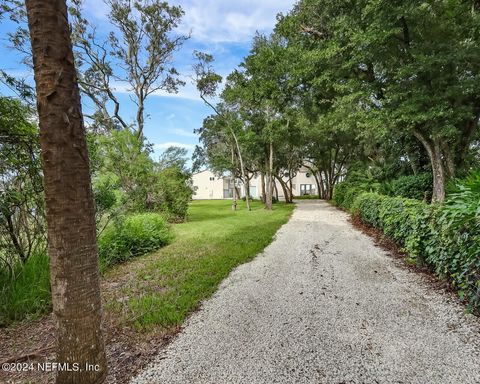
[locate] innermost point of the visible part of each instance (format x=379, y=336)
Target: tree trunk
x=289, y=184
x=268, y=200
x=262, y=180
x=438, y=174
x=285, y=189
x=68, y=196
x=140, y=116
x=14, y=238
x=322, y=185
x=449, y=162
x=434, y=151
x=315, y=174
x=242, y=167
x=234, y=202
x=247, y=187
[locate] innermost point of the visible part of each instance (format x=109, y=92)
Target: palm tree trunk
x=68, y=196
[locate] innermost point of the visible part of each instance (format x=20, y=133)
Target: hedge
x=445, y=237
x=417, y=187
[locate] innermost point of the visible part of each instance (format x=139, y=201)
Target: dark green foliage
x=132, y=236
x=345, y=193
x=454, y=244
x=367, y=207
x=25, y=292
x=417, y=187
x=174, y=193
x=445, y=237
x=172, y=190
x=340, y=194
x=127, y=173
x=22, y=224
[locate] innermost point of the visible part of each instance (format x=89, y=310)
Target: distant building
x=208, y=186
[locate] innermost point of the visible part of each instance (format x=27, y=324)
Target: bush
x=26, y=290
x=454, y=245
x=417, y=187
x=173, y=193
x=132, y=236
x=345, y=193
x=446, y=237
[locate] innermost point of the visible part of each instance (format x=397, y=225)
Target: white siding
x=207, y=189
x=207, y=186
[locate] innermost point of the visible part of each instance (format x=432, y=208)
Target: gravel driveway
x=323, y=304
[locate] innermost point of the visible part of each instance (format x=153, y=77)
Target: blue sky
x=222, y=28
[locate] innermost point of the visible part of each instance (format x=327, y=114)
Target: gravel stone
x=323, y=304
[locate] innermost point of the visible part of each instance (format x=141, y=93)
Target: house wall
x=205, y=188
x=303, y=177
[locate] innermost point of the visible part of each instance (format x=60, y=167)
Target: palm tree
x=68, y=196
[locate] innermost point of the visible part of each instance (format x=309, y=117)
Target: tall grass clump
x=25, y=289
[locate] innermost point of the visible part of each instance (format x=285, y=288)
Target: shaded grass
x=306, y=197
x=171, y=283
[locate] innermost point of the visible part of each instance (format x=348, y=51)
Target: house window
x=212, y=178
x=306, y=189
x=308, y=174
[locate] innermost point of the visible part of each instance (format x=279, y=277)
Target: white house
x=208, y=186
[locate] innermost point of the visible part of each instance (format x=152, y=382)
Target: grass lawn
x=161, y=289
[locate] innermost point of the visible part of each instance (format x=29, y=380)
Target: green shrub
x=25, y=291
x=445, y=237
x=367, y=207
x=132, y=236
x=454, y=245
x=173, y=193
x=417, y=187
x=345, y=193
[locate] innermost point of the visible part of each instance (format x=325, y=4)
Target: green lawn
x=164, y=287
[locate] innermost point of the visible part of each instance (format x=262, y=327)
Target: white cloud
x=181, y=132
x=187, y=92
x=218, y=21
x=169, y=144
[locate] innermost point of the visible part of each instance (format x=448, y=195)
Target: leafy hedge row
x=412, y=186
x=445, y=237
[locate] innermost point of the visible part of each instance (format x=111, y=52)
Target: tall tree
x=207, y=82
x=68, y=195
x=137, y=54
